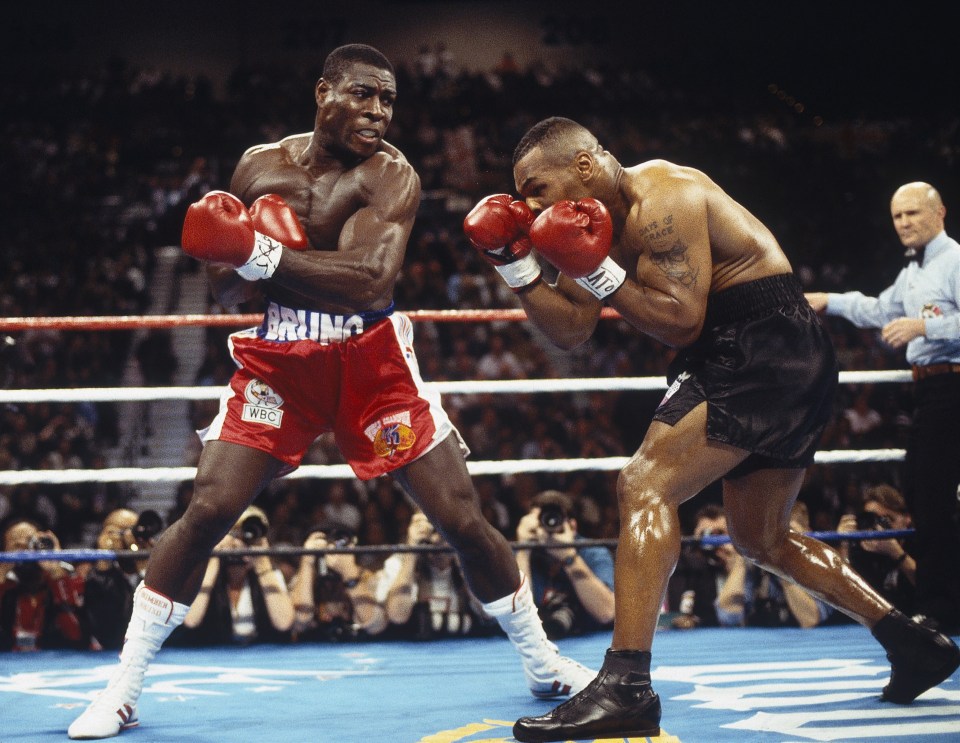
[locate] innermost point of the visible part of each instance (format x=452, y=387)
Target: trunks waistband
x=282, y=323
x=752, y=299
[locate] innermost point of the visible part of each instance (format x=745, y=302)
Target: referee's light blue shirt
x=931, y=291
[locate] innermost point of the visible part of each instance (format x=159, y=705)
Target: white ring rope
x=343, y=471
x=506, y=386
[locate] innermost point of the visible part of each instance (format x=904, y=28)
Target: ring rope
x=135, y=322
x=527, y=386
x=708, y=540
x=343, y=471
x=480, y=386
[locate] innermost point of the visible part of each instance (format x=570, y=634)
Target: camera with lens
x=869, y=521
x=558, y=616
x=40, y=543
x=709, y=549
x=252, y=529
x=555, y=508
x=336, y=533
x=552, y=517
x=339, y=537
x=148, y=526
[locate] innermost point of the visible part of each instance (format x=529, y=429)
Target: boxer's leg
x=674, y=463
x=440, y=484
x=758, y=514
x=229, y=476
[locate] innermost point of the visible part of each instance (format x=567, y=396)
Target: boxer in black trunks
x=751, y=392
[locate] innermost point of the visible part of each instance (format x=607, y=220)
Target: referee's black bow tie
x=912, y=255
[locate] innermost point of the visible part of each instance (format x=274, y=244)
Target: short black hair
x=548, y=130
x=709, y=511
x=337, y=62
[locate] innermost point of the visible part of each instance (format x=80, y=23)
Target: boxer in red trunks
x=317, y=224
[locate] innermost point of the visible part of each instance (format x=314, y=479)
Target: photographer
x=110, y=583
x=771, y=601
x=696, y=590
x=886, y=564
x=573, y=589
x=40, y=601
x=242, y=599
x=427, y=596
x=335, y=598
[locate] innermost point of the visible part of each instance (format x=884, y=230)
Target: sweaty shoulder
x=265, y=158
x=389, y=180
x=699, y=212
x=661, y=178
x=285, y=150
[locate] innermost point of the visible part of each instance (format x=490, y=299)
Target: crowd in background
x=98, y=169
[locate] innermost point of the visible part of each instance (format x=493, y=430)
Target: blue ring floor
x=716, y=685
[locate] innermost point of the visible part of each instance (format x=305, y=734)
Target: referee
x=921, y=311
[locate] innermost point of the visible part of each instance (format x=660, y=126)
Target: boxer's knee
x=470, y=534
x=637, y=488
x=765, y=550
x=207, y=519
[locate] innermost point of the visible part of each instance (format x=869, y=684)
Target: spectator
x=427, y=596
x=697, y=584
x=242, y=599
x=499, y=362
x=109, y=587
x=158, y=363
x=863, y=420
x=573, y=588
x=334, y=596
x=885, y=563
x=41, y=601
x=339, y=508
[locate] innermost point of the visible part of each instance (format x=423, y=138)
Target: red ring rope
x=134, y=322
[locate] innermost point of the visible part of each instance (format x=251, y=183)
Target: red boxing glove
x=497, y=227
x=575, y=237
x=218, y=228
x=273, y=216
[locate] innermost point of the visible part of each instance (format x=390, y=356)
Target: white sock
x=511, y=602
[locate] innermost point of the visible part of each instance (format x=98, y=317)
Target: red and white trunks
x=303, y=373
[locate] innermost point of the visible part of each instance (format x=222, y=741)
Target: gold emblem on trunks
x=391, y=434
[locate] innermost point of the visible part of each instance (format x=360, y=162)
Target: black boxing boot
x=920, y=657
x=619, y=702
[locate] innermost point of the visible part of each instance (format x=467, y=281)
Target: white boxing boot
x=115, y=708
x=549, y=674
